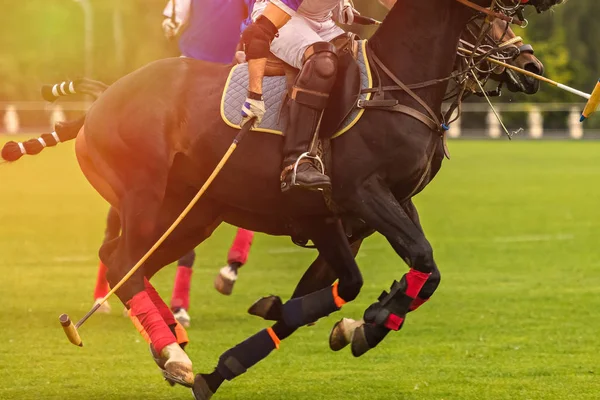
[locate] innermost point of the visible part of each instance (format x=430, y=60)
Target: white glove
x=170, y=28
x=253, y=108
x=345, y=12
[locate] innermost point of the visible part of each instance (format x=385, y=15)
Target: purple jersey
x=214, y=28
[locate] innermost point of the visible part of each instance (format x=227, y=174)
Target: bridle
x=438, y=123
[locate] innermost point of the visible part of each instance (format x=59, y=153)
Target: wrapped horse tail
x=67, y=88
x=63, y=131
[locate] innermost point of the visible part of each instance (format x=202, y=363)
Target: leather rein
x=432, y=120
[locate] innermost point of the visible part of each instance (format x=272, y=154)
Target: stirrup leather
x=294, y=167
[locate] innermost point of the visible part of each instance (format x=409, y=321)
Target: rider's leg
x=309, y=97
x=300, y=46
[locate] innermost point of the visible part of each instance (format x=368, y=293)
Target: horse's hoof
x=268, y=308
x=183, y=317
x=200, y=389
x=359, y=342
x=104, y=308
x=225, y=280
x=341, y=333
x=178, y=367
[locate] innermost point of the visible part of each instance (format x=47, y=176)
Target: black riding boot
x=308, y=100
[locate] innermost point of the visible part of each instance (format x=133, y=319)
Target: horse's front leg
x=435, y=277
x=333, y=246
x=377, y=206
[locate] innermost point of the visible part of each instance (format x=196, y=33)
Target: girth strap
x=373, y=105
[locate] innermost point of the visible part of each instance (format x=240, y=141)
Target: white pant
x=298, y=34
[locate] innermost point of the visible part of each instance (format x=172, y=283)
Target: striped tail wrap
x=66, y=88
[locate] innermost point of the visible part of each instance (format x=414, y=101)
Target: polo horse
x=152, y=139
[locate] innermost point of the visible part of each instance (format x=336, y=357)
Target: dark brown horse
x=153, y=137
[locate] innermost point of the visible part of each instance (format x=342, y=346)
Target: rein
x=493, y=14
x=437, y=123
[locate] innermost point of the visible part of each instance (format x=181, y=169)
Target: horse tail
x=64, y=131
x=67, y=88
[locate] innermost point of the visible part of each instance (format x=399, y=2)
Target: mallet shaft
x=534, y=75
x=70, y=329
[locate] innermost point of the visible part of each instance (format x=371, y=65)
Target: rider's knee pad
x=317, y=75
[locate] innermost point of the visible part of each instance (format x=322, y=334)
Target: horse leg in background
x=376, y=205
x=236, y=258
x=320, y=274
x=180, y=300
x=332, y=244
x=113, y=228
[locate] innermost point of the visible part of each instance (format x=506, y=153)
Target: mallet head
x=592, y=104
x=70, y=330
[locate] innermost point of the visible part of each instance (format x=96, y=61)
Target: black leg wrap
x=395, y=302
x=431, y=285
x=238, y=359
x=305, y=310
x=377, y=318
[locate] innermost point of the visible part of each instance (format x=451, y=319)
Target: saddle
x=341, y=113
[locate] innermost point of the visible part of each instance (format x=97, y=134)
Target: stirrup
x=303, y=156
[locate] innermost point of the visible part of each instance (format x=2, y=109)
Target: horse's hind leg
x=332, y=243
x=139, y=210
x=376, y=205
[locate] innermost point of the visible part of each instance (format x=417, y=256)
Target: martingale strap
x=432, y=121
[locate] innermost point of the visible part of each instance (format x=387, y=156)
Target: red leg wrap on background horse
x=153, y=323
x=102, y=288
x=238, y=253
x=163, y=309
x=181, y=290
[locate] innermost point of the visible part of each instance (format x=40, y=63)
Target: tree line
x=43, y=41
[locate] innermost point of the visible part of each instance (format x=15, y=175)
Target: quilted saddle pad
x=274, y=89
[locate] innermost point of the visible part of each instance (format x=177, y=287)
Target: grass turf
x=514, y=227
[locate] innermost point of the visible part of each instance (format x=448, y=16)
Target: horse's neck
x=418, y=41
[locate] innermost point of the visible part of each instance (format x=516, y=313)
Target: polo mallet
x=71, y=330
x=593, y=98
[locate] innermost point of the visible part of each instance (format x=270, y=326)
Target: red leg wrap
x=160, y=305
x=102, y=288
x=181, y=289
x=393, y=322
x=416, y=303
x=415, y=281
x=241, y=247
x=144, y=309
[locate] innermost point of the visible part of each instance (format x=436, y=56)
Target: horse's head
x=525, y=59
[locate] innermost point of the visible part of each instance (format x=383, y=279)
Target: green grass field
x=515, y=230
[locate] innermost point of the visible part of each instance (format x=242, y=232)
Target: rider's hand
x=253, y=107
x=170, y=28
x=346, y=12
